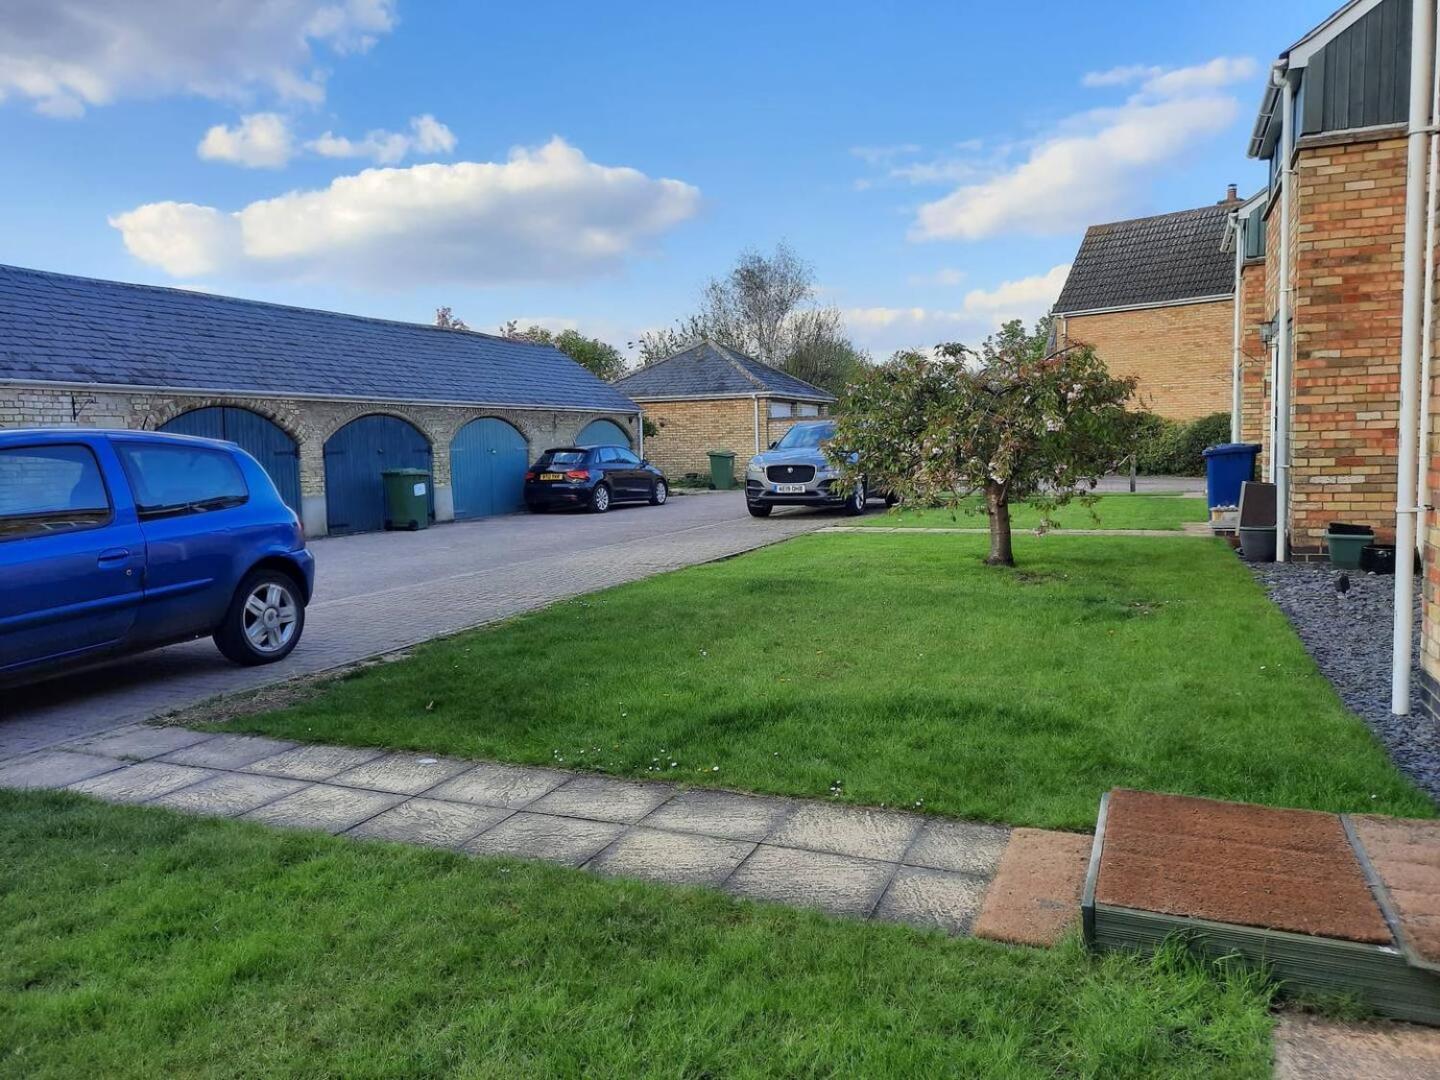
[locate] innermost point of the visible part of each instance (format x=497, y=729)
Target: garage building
x=324, y=401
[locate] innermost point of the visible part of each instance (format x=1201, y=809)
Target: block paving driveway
x=385, y=591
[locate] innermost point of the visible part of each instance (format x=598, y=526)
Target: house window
x=780, y=409
x=809, y=410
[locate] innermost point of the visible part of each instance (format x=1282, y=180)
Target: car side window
x=169, y=480
x=626, y=457
x=50, y=489
x=605, y=455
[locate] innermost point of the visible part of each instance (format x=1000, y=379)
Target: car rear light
x=577, y=474
x=531, y=475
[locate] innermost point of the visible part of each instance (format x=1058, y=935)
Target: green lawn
x=1110, y=512
x=139, y=943
x=905, y=670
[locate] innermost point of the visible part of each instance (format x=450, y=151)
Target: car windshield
x=806, y=437
x=560, y=459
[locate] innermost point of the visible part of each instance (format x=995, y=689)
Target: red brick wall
x=1181, y=355
x=1347, y=253
x=1254, y=356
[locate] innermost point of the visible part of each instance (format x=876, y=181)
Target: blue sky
x=591, y=165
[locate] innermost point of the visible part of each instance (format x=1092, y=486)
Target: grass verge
x=905, y=672
x=141, y=943
x=1169, y=512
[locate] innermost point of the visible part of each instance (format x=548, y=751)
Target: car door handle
x=113, y=557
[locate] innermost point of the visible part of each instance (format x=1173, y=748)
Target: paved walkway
x=867, y=864
x=382, y=592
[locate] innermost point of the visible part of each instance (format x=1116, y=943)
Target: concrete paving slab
x=513, y=786
x=676, y=858
x=228, y=794
x=430, y=822
x=721, y=813
x=141, y=781
x=320, y=806
x=540, y=836
x=933, y=899
x=405, y=774
x=837, y=884
x=229, y=751
x=140, y=742
x=846, y=830
x=313, y=762
x=602, y=799
x=1313, y=1048
x=958, y=845
x=53, y=769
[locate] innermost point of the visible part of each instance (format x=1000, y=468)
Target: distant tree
x=1012, y=421
x=766, y=307
x=446, y=320
x=594, y=355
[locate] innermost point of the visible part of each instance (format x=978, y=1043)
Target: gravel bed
x=1349, y=637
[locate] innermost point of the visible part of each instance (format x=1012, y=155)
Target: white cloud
x=259, y=141
x=544, y=214
x=946, y=275
x=883, y=330
x=66, y=57
x=1092, y=163
x=880, y=155
x=426, y=136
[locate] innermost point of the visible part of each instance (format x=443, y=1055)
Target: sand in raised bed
x=1236, y=863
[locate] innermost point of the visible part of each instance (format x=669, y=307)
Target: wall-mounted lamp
x=1268, y=330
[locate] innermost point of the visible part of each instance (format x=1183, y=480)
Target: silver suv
x=796, y=472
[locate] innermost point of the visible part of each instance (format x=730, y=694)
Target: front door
x=71, y=555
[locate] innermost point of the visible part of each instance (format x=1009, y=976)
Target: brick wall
x=1347, y=256
x=1181, y=354
x=310, y=423
x=1254, y=356
x=688, y=430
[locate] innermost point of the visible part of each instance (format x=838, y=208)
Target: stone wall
x=310, y=423
x=1182, y=355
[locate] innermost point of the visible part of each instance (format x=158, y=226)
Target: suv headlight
x=754, y=469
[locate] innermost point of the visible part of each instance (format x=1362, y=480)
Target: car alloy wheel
x=856, y=503
x=661, y=493
x=270, y=617
x=600, y=499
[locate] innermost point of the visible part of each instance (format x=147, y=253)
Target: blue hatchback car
x=117, y=541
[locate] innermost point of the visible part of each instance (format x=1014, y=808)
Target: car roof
x=583, y=449
x=52, y=436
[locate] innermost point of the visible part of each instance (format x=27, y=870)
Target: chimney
x=1231, y=194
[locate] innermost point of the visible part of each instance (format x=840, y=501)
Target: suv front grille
x=790, y=474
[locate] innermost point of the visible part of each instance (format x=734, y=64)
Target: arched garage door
x=488, y=459
x=263, y=439
x=355, y=456
x=603, y=433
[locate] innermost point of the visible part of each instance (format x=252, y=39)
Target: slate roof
x=709, y=370
x=1151, y=260
x=57, y=328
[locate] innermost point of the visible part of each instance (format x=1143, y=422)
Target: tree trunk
x=997, y=509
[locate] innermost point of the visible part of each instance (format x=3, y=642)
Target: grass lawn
x=141, y=943
x=1110, y=512
x=905, y=670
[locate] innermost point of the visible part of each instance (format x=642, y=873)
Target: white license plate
x=790, y=489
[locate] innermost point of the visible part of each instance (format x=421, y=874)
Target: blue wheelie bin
x=1227, y=466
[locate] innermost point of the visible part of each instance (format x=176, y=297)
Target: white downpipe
x=1422, y=60
x=1280, y=394
x=1427, y=336
x=756, y=399
x=640, y=432
x=1235, y=397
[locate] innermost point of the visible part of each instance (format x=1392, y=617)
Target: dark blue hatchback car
x=117, y=541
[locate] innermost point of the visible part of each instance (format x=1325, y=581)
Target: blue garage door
x=603, y=433
x=488, y=459
x=261, y=438
x=355, y=456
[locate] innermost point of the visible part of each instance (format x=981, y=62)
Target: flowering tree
x=1011, y=421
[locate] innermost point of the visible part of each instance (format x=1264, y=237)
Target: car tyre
x=759, y=511
x=265, y=619
x=599, y=499
x=855, y=504
x=659, y=493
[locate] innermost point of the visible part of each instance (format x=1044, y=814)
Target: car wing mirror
x=774, y=443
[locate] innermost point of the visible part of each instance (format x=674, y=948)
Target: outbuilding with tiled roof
x=325, y=401
x=709, y=397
